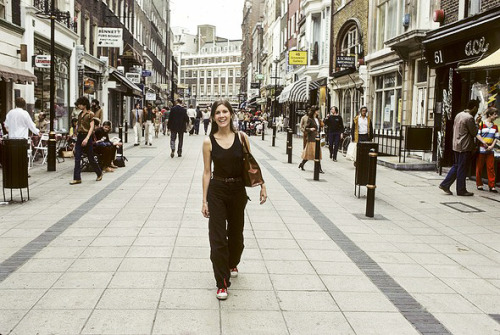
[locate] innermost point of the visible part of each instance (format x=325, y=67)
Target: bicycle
x=346, y=141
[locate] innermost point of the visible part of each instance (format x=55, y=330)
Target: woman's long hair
x=215, y=105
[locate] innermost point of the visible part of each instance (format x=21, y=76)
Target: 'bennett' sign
x=110, y=37
x=346, y=61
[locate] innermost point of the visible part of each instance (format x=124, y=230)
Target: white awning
x=491, y=62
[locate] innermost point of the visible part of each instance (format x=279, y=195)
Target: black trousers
x=226, y=204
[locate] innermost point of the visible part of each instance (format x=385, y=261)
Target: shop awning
x=492, y=62
x=16, y=75
x=132, y=89
x=296, y=92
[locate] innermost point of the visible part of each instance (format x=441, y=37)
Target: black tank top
x=228, y=163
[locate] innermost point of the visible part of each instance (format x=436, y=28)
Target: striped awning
x=296, y=92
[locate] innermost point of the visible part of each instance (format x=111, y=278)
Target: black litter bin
x=362, y=162
x=15, y=163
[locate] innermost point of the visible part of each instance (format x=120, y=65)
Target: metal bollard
x=290, y=144
x=316, y=158
x=372, y=175
x=287, y=141
x=263, y=132
x=120, y=131
x=126, y=132
x=274, y=135
x=51, y=151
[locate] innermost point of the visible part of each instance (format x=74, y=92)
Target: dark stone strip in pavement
x=411, y=309
x=495, y=317
x=14, y=262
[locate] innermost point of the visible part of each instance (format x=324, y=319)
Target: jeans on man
x=333, y=144
x=173, y=137
x=90, y=155
x=196, y=126
x=458, y=171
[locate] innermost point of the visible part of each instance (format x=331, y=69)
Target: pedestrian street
x=130, y=254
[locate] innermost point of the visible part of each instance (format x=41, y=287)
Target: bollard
x=51, y=151
x=263, y=132
x=290, y=144
x=126, y=132
x=316, y=157
x=287, y=141
x=120, y=132
x=372, y=175
x=274, y=135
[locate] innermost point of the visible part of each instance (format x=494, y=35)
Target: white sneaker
x=234, y=272
x=221, y=293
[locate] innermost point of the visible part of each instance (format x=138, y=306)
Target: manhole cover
x=461, y=207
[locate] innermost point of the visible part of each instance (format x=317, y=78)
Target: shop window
x=387, y=113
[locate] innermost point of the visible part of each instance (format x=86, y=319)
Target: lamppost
x=52, y=14
x=275, y=105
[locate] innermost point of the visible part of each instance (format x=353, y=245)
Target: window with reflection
x=387, y=113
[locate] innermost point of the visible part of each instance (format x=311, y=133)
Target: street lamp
x=52, y=14
x=273, y=112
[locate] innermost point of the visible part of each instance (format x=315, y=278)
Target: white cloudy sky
x=226, y=15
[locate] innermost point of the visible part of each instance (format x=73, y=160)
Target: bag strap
x=243, y=142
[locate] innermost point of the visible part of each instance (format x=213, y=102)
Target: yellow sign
x=297, y=58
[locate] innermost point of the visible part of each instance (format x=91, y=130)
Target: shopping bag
x=351, y=151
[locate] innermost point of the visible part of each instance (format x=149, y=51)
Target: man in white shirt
x=18, y=121
x=191, y=112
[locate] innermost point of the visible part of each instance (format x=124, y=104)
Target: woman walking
x=488, y=131
x=224, y=194
x=311, y=130
x=84, y=138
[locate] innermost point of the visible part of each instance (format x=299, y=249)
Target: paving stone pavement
x=130, y=254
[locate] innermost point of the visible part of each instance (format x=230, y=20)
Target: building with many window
x=211, y=73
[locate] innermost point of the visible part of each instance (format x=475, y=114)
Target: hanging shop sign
x=259, y=76
x=133, y=77
x=346, y=61
x=297, y=58
x=151, y=96
x=146, y=73
x=109, y=37
x=42, y=61
x=89, y=86
x=255, y=85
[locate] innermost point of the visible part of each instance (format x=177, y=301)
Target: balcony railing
x=64, y=18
